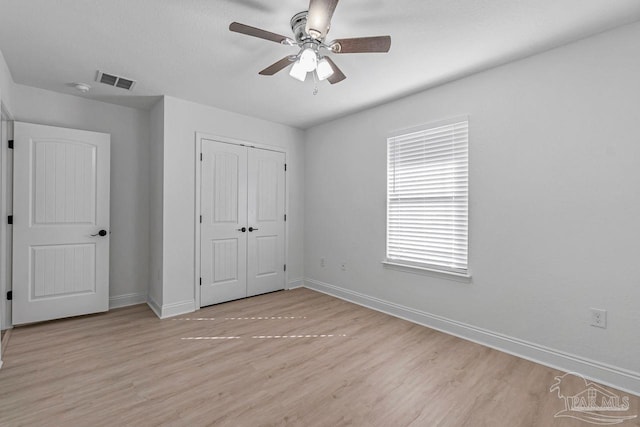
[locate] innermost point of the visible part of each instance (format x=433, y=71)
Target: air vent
x=116, y=81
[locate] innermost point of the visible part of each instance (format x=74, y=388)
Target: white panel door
x=223, y=243
x=60, y=222
x=265, y=263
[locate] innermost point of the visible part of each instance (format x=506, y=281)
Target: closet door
x=223, y=244
x=266, y=231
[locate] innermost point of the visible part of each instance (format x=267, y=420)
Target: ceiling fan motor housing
x=298, y=26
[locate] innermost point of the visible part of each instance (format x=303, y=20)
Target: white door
x=265, y=263
x=242, y=225
x=223, y=244
x=60, y=222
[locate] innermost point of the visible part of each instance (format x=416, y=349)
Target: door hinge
x=10, y=219
x=200, y=156
x=201, y=281
x=285, y=217
x=9, y=295
x=285, y=167
x=285, y=267
x=200, y=219
x=11, y=143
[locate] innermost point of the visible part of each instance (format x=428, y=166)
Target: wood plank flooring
x=296, y=358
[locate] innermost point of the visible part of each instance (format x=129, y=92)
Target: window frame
x=418, y=267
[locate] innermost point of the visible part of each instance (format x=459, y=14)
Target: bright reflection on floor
x=257, y=337
x=244, y=318
x=262, y=337
x=266, y=318
x=210, y=338
x=265, y=337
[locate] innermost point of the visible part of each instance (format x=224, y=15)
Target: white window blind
x=427, y=197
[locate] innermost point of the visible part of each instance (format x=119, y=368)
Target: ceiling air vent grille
x=116, y=81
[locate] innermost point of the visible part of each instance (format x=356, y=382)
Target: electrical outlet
x=598, y=318
x=343, y=266
x=322, y=262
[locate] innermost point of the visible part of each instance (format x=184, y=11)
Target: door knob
x=100, y=233
x=243, y=229
x=252, y=229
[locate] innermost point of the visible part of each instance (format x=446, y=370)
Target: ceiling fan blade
x=337, y=75
x=362, y=45
x=257, y=32
x=278, y=66
x=319, y=17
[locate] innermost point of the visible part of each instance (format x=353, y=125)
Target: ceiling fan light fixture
x=308, y=59
x=298, y=72
x=324, y=69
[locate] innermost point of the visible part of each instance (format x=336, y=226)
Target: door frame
x=198, y=151
x=6, y=203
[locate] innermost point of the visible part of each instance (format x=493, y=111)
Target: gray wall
x=156, y=187
x=6, y=84
x=554, y=200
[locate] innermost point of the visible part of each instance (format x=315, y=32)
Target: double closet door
x=242, y=232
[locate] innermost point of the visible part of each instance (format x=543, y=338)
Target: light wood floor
x=294, y=358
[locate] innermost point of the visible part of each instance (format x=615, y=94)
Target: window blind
x=427, y=197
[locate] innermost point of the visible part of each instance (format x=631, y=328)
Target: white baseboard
x=176, y=309
x=154, y=306
x=612, y=376
x=126, y=300
x=170, y=310
x=296, y=283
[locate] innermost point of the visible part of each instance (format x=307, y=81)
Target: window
x=427, y=197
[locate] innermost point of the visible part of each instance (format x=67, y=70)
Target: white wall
x=182, y=120
x=156, y=206
x=129, y=129
x=554, y=204
x=6, y=83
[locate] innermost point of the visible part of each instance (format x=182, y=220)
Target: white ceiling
x=183, y=48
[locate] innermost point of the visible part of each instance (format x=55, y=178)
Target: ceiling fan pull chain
x=315, y=81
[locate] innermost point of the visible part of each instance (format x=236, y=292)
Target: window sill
x=443, y=274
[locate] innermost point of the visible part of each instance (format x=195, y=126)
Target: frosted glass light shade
x=324, y=69
x=308, y=60
x=298, y=72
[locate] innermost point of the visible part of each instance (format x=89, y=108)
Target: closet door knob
x=252, y=229
x=243, y=229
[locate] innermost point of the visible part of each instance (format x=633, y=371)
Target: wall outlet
x=343, y=266
x=598, y=318
x=322, y=262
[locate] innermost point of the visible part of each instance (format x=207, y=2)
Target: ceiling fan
x=310, y=29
